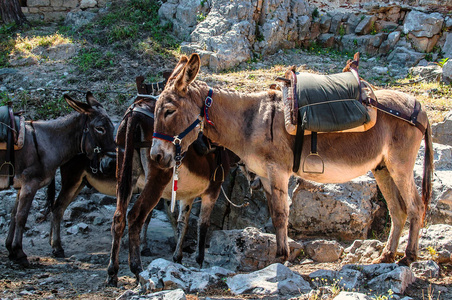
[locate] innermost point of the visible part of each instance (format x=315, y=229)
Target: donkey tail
x=428, y=169
x=125, y=165
x=50, y=201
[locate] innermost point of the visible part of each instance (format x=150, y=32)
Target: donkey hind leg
x=208, y=202
x=182, y=227
x=415, y=210
x=397, y=211
x=66, y=196
x=145, y=250
x=25, y=199
x=276, y=190
x=117, y=230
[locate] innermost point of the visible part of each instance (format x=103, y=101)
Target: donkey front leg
x=182, y=227
x=148, y=199
x=24, y=199
x=12, y=228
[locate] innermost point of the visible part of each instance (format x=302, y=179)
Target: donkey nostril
x=158, y=158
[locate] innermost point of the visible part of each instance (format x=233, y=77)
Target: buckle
x=177, y=140
x=97, y=149
x=208, y=101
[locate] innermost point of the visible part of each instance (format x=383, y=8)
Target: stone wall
x=228, y=32
x=55, y=10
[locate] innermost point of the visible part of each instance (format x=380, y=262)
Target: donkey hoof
x=405, y=261
x=59, y=253
x=21, y=261
x=200, y=261
x=146, y=252
x=177, y=259
x=112, y=281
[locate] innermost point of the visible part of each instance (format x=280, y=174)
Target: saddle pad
x=5, y=123
x=329, y=102
x=20, y=137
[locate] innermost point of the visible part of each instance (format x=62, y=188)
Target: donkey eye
x=169, y=112
x=100, y=130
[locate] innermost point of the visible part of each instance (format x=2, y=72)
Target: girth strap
x=298, y=147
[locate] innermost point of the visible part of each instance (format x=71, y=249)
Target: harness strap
x=35, y=141
x=10, y=145
x=410, y=119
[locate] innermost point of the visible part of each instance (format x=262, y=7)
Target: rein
x=177, y=140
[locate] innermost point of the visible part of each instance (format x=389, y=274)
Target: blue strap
x=162, y=136
x=189, y=128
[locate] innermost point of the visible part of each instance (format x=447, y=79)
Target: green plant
x=384, y=297
x=442, y=62
x=200, y=17
x=93, y=59
x=432, y=252
x=373, y=30
x=315, y=13
x=341, y=30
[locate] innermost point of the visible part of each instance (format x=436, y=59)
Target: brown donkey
x=196, y=180
x=47, y=145
x=252, y=126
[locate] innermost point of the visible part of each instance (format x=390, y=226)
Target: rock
x=335, y=210
x=423, y=44
x=161, y=273
x=343, y=295
x=324, y=251
x=442, y=131
x=405, y=57
x=346, y=278
x=79, y=18
x=61, y=52
x=366, y=25
x=426, y=268
x=431, y=72
x=363, y=251
x=84, y=4
x=177, y=294
x=447, y=47
x=244, y=250
x=275, y=279
x=421, y=24
x=447, y=72
x=397, y=279
x=380, y=70
x=441, y=204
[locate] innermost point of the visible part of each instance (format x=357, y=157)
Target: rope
x=245, y=204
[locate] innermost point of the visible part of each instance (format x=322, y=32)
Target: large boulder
x=245, y=250
x=423, y=29
x=447, y=71
x=337, y=210
x=442, y=131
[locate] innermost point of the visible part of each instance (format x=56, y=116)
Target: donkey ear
x=81, y=107
x=182, y=62
x=91, y=100
x=356, y=57
x=188, y=74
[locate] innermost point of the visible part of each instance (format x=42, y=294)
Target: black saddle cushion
x=329, y=102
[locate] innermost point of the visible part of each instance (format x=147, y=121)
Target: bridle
x=97, y=150
x=177, y=139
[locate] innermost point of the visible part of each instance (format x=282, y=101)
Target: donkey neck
x=61, y=136
x=232, y=114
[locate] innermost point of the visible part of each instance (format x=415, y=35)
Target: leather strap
x=298, y=147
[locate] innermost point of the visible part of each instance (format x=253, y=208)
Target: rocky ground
x=82, y=274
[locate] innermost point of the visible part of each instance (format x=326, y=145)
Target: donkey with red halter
x=252, y=126
x=47, y=145
x=201, y=176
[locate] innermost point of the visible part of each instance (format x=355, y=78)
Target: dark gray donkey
x=49, y=144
